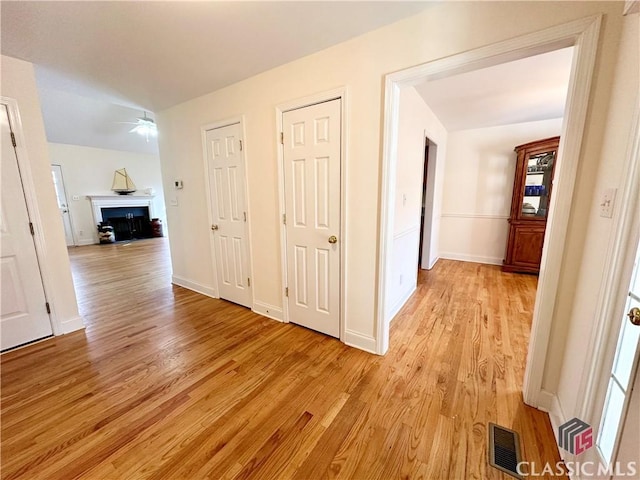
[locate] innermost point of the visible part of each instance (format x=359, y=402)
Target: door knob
x=634, y=316
x=333, y=239
x=214, y=227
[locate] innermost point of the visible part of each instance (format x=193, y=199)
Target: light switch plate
x=173, y=202
x=606, y=202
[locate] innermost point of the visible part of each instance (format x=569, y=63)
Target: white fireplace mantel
x=98, y=202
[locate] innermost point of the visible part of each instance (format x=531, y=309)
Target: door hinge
x=13, y=139
x=245, y=216
x=282, y=138
x=240, y=145
x=286, y=291
x=284, y=218
x=248, y=282
x=31, y=228
x=48, y=307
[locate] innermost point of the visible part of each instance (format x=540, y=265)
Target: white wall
x=18, y=83
x=569, y=338
x=360, y=64
x=416, y=122
x=478, y=185
x=89, y=171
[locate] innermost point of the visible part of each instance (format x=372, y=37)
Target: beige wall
x=360, y=64
x=89, y=171
x=478, y=185
x=18, y=83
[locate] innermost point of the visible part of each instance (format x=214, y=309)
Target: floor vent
x=504, y=449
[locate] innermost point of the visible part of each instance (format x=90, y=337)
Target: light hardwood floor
x=168, y=384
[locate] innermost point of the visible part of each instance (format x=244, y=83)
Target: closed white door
x=63, y=205
x=312, y=146
x=23, y=309
x=229, y=213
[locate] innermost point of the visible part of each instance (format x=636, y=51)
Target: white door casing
x=312, y=191
x=63, y=203
x=226, y=169
x=23, y=317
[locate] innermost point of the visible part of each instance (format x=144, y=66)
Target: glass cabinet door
x=537, y=187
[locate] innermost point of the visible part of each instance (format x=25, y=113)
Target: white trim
x=267, y=310
x=342, y=94
x=239, y=119
x=357, y=340
x=86, y=241
x=630, y=7
x=463, y=257
x=407, y=231
x=98, y=202
x=395, y=309
x=474, y=215
x=29, y=189
x=194, y=286
x=613, y=293
x=73, y=324
x=583, y=35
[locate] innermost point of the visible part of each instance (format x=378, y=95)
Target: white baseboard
x=395, y=308
x=86, y=241
x=362, y=342
x=72, y=325
x=195, y=286
x=550, y=403
x=463, y=257
x=269, y=311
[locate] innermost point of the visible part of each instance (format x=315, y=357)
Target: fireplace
x=128, y=223
x=129, y=215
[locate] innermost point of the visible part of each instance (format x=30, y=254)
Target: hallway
x=169, y=384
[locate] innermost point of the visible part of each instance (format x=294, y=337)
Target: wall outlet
x=606, y=202
x=75, y=198
x=173, y=202
x=400, y=279
x=81, y=233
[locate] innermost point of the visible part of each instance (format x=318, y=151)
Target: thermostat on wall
x=177, y=184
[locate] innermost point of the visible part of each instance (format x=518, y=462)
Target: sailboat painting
x=122, y=183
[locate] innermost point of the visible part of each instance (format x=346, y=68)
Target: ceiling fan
x=144, y=126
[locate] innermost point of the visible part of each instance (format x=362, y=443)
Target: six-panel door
x=312, y=149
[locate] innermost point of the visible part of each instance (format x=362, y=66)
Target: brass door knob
x=333, y=239
x=214, y=227
x=634, y=316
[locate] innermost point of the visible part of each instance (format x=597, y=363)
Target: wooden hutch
x=532, y=188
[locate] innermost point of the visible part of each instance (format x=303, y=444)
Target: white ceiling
x=99, y=64
x=102, y=63
x=153, y=55
x=526, y=90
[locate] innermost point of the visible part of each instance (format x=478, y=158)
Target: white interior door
x=23, y=309
x=312, y=146
x=618, y=433
x=229, y=213
x=63, y=204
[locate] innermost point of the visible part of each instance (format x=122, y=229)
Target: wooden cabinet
x=532, y=188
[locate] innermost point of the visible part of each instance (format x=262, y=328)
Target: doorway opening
x=427, y=246
x=582, y=34
x=63, y=204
